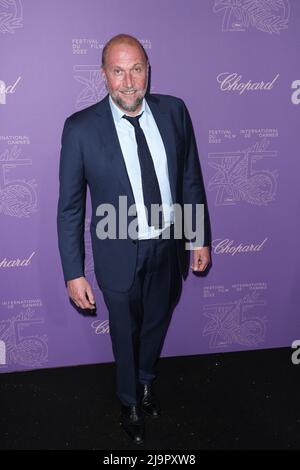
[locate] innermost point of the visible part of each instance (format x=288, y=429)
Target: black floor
x=243, y=400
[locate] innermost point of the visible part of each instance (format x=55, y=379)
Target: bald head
x=119, y=40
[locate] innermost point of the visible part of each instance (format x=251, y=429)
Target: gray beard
x=131, y=108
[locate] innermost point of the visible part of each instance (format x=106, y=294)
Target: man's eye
x=117, y=72
x=138, y=69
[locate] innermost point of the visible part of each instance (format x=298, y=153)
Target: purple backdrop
x=235, y=63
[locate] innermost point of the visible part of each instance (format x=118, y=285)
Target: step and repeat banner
x=236, y=65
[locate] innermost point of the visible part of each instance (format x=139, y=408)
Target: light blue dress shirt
x=128, y=145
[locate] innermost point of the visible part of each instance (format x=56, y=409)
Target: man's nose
x=128, y=80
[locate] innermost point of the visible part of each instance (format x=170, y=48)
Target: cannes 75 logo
x=237, y=322
x=11, y=16
x=22, y=341
x=93, y=88
x=237, y=179
x=268, y=16
x=18, y=197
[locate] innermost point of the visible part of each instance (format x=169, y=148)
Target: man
x=142, y=147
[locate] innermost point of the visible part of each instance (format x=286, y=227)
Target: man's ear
x=103, y=75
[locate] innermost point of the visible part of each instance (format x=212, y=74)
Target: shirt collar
x=118, y=113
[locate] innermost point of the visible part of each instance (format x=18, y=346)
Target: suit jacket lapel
x=166, y=130
x=112, y=148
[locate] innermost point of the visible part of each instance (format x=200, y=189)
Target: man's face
x=126, y=75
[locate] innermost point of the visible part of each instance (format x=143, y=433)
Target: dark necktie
x=151, y=191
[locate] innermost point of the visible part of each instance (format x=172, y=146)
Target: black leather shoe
x=149, y=402
x=133, y=423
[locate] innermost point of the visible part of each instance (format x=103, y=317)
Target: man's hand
x=81, y=293
x=201, y=258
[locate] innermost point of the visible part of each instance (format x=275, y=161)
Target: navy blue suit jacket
x=91, y=156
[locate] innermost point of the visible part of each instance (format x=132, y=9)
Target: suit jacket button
x=134, y=241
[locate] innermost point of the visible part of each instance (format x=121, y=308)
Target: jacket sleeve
x=71, y=204
x=193, y=187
